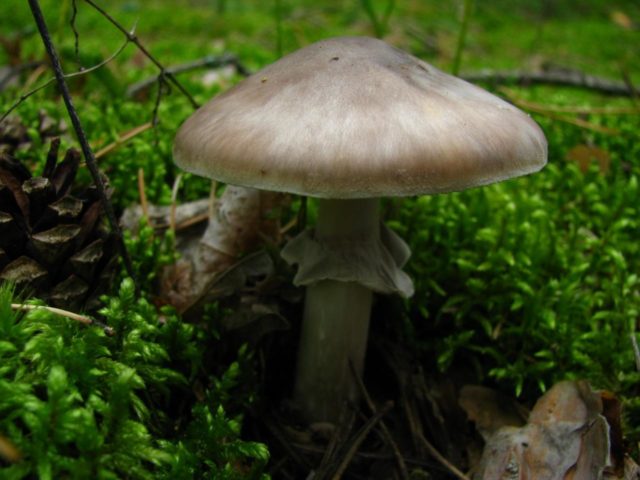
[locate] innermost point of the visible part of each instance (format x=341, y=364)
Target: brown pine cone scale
x=53, y=244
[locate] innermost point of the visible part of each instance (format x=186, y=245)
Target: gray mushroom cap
x=353, y=117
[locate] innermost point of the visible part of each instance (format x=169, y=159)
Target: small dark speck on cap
x=335, y=59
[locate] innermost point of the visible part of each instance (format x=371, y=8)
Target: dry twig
x=425, y=464
x=340, y=437
x=433, y=451
x=26, y=95
x=210, y=61
x=164, y=75
x=122, y=139
x=387, y=437
x=192, y=221
x=543, y=110
x=590, y=110
x=358, y=439
x=282, y=439
x=569, y=78
x=64, y=313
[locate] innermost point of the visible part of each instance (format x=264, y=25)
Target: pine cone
x=14, y=134
x=53, y=244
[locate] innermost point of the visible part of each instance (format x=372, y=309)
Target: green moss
x=79, y=404
x=528, y=282
x=535, y=279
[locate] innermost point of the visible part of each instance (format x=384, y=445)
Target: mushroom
x=349, y=120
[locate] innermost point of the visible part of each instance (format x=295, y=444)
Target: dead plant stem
x=388, y=438
x=64, y=313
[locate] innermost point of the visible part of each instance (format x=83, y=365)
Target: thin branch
x=190, y=222
x=440, y=458
x=163, y=87
x=590, y=110
x=541, y=109
x=281, y=438
x=359, y=438
x=35, y=75
x=125, y=137
x=339, y=439
x=64, y=313
x=288, y=226
x=210, y=61
x=388, y=438
x=369, y=456
x=556, y=77
x=76, y=35
x=24, y=96
x=131, y=36
x=82, y=138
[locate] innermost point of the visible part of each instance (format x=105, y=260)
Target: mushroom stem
x=336, y=317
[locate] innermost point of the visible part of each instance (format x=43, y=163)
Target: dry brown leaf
x=631, y=469
x=490, y=410
x=243, y=219
x=566, y=438
x=8, y=450
x=583, y=155
x=622, y=19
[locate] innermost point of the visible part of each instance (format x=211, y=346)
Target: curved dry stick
x=123, y=138
x=64, y=313
x=440, y=458
x=210, y=61
x=566, y=78
x=359, y=438
x=131, y=37
x=24, y=96
x=385, y=431
x=533, y=107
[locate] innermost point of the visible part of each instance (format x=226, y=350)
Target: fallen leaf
x=490, y=410
x=583, y=155
x=566, y=438
x=622, y=20
x=8, y=451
